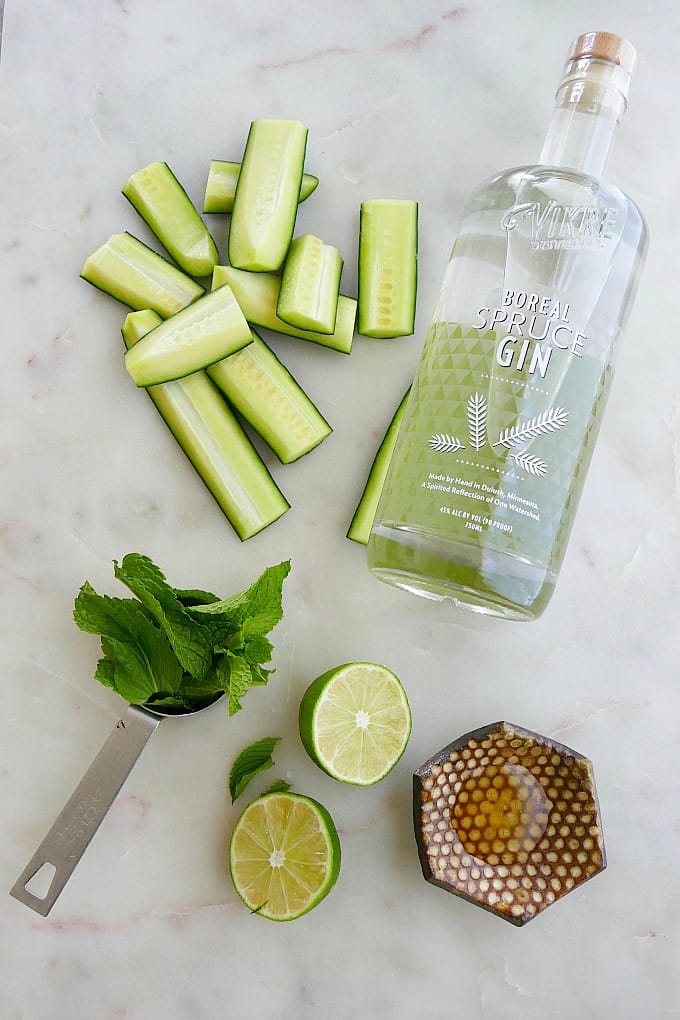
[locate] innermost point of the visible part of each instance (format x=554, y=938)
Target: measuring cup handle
x=67, y=840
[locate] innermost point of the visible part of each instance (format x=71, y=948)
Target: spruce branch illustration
x=550, y=421
x=442, y=442
x=532, y=465
x=477, y=410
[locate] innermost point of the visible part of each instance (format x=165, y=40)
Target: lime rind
x=355, y=722
x=284, y=855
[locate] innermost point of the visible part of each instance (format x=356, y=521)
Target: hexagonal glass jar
x=508, y=819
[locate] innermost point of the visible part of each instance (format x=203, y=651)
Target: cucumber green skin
x=309, y=184
x=308, y=297
x=273, y=416
x=250, y=399
x=262, y=491
x=164, y=205
x=375, y=251
x=124, y=268
x=333, y=839
x=261, y=225
x=264, y=502
x=258, y=293
x=364, y=515
x=170, y=351
x=138, y=324
x=220, y=187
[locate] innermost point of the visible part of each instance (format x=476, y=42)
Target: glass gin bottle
x=507, y=401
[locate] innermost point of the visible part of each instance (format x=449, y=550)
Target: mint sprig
x=173, y=648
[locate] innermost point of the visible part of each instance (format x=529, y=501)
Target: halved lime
x=355, y=722
x=284, y=855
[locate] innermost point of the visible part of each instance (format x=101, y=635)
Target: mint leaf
x=257, y=649
x=231, y=607
x=165, y=700
x=138, y=660
x=255, y=758
x=189, y=642
x=194, y=596
x=235, y=676
x=100, y=614
x=259, y=608
x=220, y=631
x=265, y=607
x=239, y=679
x=280, y=786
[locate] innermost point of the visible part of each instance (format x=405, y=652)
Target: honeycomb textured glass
x=509, y=820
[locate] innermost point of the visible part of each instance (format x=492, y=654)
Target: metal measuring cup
x=69, y=837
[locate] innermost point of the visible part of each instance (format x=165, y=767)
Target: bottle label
x=498, y=434
x=550, y=226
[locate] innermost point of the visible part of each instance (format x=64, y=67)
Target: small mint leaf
x=255, y=758
x=280, y=786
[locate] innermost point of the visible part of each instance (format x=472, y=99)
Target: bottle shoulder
x=548, y=196
x=524, y=178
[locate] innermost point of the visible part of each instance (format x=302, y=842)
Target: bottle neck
x=590, y=101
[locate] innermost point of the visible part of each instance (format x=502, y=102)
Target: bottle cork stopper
x=604, y=46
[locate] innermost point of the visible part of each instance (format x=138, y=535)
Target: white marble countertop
x=412, y=100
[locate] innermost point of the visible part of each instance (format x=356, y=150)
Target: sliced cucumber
x=258, y=295
x=221, y=186
x=310, y=285
x=134, y=274
x=388, y=253
x=163, y=203
x=196, y=337
x=362, y=522
x=265, y=393
x=208, y=432
x=267, y=194
x=138, y=324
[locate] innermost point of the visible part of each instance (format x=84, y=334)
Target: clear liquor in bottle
x=507, y=401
